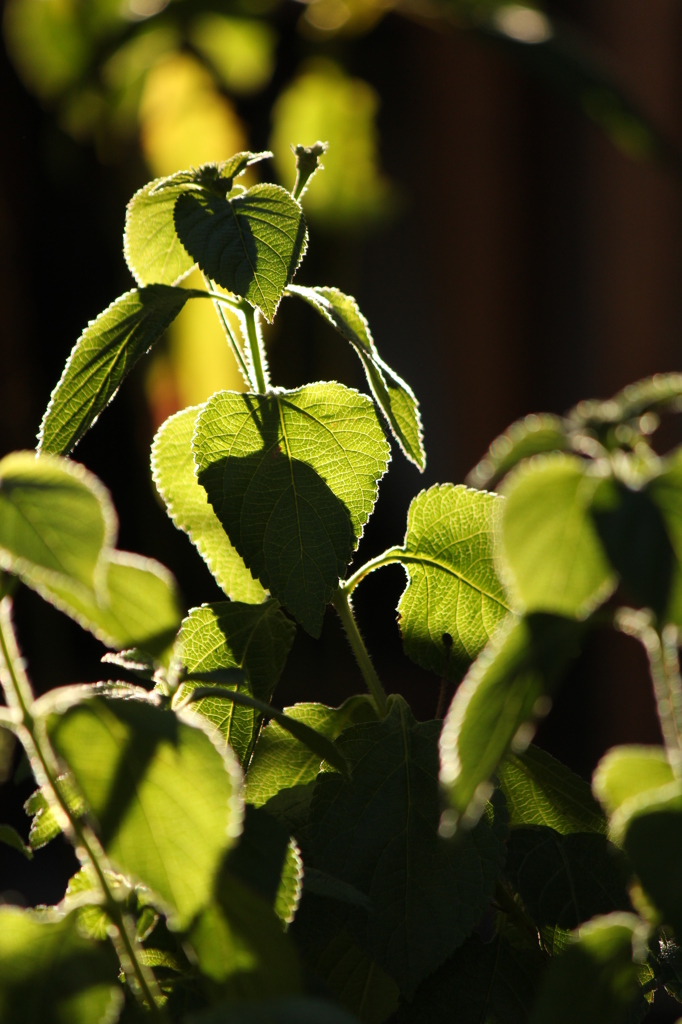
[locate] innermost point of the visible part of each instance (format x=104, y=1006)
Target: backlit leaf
x=267, y=859
x=250, y=243
x=293, y=478
x=10, y=837
x=550, y=546
x=55, y=519
x=651, y=829
x=379, y=832
x=497, y=705
x=153, y=251
x=539, y=790
x=189, y=508
x=44, y=824
x=50, y=973
x=530, y=436
x=454, y=599
x=102, y=357
x=393, y=396
x=255, y=638
x=628, y=771
x=167, y=801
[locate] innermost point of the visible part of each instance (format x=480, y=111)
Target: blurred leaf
x=594, y=980
x=651, y=829
x=48, y=43
x=324, y=103
x=379, y=832
x=279, y=762
x=140, y=606
x=355, y=980
x=488, y=983
x=241, y=50
x=564, y=880
x=495, y=708
x=393, y=396
x=50, y=974
x=659, y=393
x=304, y=468
x=628, y=771
x=454, y=599
x=540, y=790
x=189, y=508
x=55, y=519
x=550, y=548
x=530, y=436
x=295, y=1010
x=665, y=491
x=166, y=799
x=268, y=860
x=251, y=243
x=44, y=824
x=102, y=358
x=10, y=837
x=256, y=638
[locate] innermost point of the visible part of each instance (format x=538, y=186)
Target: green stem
x=218, y=302
x=390, y=557
x=341, y=601
x=259, y=365
x=19, y=697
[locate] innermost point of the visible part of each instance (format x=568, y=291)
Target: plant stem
x=218, y=302
x=392, y=556
x=259, y=364
x=341, y=601
x=19, y=697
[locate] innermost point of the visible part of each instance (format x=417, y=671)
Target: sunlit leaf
x=594, y=980
x=51, y=974
x=393, y=396
x=454, y=599
x=189, y=508
x=102, y=357
x=280, y=763
x=628, y=771
x=55, y=519
x=379, y=832
x=539, y=790
x=651, y=829
x=550, y=547
x=293, y=478
x=167, y=801
x=530, y=436
x=242, y=50
x=497, y=705
x=255, y=638
x=44, y=823
x=250, y=243
x=486, y=982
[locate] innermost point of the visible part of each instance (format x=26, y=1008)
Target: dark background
x=531, y=264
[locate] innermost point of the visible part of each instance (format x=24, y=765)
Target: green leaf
x=255, y=638
x=379, y=832
x=319, y=744
x=394, y=397
x=564, y=880
x=279, y=762
x=454, y=599
x=659, y=393
x=268, y=860
x=189, y=508
x=355, y=980
x=102, y=357
x=10, y=837
x=293, y=478
x=550, y=547
x=153, y=251
x=539, y=790
x=139, y=607
x=44, y=824
x=594, y=980
x=532, y=435
x=240, y=946
x=651, y=830
x=55, y=519
x=626, y=772
x=491, y=982
x=665, y=491
x=495, y=708
x=250, y=243
x=50, y=974
x=167, y=800
x=295, y=1010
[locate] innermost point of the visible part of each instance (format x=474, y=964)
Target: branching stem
x=19, y=697
x=342, y=603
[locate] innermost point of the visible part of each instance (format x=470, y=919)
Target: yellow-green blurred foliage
x=325, y=103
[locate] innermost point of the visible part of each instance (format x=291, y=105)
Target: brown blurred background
x=511, y=254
